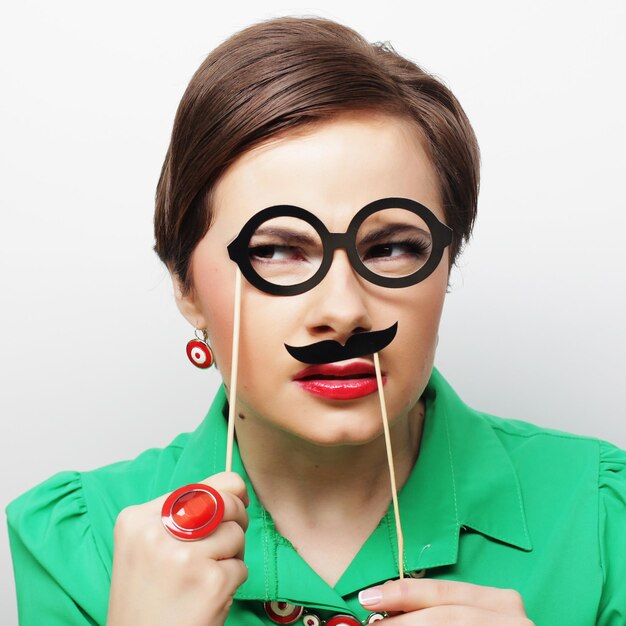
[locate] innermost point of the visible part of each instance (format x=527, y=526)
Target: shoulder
x=61, y=531
x=73, y=504
x=535, y=452
x=61, y=534
x=88, y=503
x=548, y=449
x=558, y=470
x=522, y=438
x=515, y=434
x=574, y=496
x=111, y=487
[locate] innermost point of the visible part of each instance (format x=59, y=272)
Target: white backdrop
x=93, y=362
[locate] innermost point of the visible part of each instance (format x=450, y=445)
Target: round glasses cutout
x=392, y=242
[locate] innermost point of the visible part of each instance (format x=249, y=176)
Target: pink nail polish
x=370, y=597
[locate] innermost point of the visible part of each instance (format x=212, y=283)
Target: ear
x=187, y=303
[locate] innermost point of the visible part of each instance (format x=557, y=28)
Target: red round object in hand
x=343, y=620
x=192, y=512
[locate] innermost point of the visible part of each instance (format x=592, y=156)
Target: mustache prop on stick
x=359, y=344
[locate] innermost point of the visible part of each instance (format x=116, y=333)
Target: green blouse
x=490, y=501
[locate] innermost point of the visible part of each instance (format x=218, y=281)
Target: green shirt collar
x=463, y=478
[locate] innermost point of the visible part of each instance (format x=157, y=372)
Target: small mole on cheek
x=241, y=415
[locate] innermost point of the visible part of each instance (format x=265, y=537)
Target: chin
x=330, y=433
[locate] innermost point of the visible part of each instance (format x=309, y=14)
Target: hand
x=430, y=602
x=160, y=580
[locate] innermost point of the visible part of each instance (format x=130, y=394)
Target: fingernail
x=370, y=597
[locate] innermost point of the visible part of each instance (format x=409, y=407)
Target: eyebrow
x=392, y=229
x=289, y=236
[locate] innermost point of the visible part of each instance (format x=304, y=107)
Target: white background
x=93, y=367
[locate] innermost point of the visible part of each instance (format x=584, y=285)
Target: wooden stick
x=232, y=397
x=392, y=473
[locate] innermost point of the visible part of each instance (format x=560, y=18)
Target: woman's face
x=332, y=170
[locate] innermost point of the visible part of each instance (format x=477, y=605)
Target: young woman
x=316, y=192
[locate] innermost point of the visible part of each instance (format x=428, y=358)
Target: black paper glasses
x=391, y=242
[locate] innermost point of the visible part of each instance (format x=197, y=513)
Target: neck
x=315, y=485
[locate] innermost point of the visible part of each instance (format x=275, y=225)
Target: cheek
x=264, y=331
x=422, y=307
x=215, y=292
x=416, y=342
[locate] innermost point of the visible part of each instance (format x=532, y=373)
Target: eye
x=271, y=252
x=413, y=247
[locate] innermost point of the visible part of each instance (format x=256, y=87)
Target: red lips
x=339, y=381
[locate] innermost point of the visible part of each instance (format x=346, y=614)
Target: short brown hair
x=282, y=74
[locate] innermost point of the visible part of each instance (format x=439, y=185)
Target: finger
x=448, y=615
x=234, y=510
x=228, y=541
x=412, y=595
x=233, y=490
x=235, y=573
x=231, y=482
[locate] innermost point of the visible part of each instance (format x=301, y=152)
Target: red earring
x=199, y=352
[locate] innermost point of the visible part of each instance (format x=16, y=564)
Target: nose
x=337, y=304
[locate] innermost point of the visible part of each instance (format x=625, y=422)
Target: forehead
x=332, y=169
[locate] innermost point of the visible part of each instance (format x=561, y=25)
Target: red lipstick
x=339, y=381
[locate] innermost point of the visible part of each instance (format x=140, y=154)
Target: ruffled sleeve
x=612, y=525
x=60, y=576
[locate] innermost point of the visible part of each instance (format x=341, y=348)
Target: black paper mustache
x=330, y=351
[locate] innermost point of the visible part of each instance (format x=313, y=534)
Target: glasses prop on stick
x=234, y=366
x=287, y=250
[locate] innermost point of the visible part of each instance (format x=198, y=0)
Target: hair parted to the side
x=284, y=73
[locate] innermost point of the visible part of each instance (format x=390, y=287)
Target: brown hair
x=284, y=73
